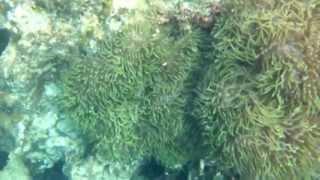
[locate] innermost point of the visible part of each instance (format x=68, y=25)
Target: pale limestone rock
x=93, y=169
x=29, y=20
x=15, y=170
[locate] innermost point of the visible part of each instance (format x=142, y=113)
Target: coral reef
x=259, y=103
x=159, y=89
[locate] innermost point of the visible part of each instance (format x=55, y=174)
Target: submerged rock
x=7, y=140
x=92, y=168
x=15, y=170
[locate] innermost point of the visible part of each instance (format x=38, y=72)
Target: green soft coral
x=259, y=103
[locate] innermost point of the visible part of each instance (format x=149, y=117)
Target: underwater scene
x=159, y=89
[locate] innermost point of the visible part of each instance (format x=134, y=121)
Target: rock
x=44, y=144
x=44, y=122
x=66, y=126
x=15, y=170
x=93, y=169
x=30, y=20
x=9, y=130
x=51, y=90
x=7, y=101
x=128, y=4
x=7, y=140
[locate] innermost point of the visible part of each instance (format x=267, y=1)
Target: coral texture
x=128, y=99
x=259, y=103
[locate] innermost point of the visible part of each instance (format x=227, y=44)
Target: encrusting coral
x=128, y=98
x=259, y=103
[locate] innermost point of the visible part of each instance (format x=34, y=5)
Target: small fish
x=4, y=39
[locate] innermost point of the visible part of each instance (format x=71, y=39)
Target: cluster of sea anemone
x=128, y=99
x=256, y=108
x=259, y=103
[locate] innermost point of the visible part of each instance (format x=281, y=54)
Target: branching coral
x=259, y=104
x=128, y=98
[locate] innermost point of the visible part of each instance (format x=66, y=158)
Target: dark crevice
x=150, y=169
x=53, y=173
x=4, y=39
x=193, y=83
x=4, y=157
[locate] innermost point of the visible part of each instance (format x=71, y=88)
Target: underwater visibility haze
x=159, y=90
